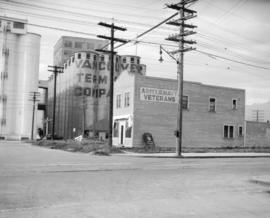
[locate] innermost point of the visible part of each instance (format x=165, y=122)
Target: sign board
x=158, y=95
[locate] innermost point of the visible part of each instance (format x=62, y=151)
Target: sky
x=232, y=49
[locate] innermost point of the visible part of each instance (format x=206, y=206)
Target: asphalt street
x=39, y=182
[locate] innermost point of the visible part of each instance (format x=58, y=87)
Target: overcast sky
x=237, y=31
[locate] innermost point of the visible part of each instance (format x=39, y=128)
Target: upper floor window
x=138, y=61
x=212, y=104
x=95, y=57
x=132, y=60
x=234, y=104
x=185, y=102
x=126, y=99
x=68, y=44
x=228, y=131
x=73, y=59
x=87, y=55
x=90, y=46
x=79, y=55
x=102, y=58
x=78, y=44
x=18, y=25
x=118, y=101
x=124, y=60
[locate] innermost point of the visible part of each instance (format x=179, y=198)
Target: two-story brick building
x=213, y=116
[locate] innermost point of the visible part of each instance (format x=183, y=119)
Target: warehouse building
x=66, y=46
x=213, y=116
x=19, y=77
x=82, y=102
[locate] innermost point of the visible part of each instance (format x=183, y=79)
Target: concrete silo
x=19, y=77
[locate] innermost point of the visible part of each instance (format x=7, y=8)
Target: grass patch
x=85, y=146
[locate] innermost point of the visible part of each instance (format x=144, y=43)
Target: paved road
x=42, y=183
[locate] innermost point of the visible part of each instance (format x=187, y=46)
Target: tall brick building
x=213, y=116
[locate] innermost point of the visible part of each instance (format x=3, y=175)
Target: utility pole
x=258, y=115
x=112, y=40
x=55, y=70
x=185, y=14
x=34, y=96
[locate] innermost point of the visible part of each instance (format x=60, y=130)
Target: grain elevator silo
x=19, y=77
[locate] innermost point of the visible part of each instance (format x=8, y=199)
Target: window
x=73, y=59
x=115, y=129
x=90, y=46
x=95, y=57
x=132, y=60
x=78, y=44
x=102, y=58
x=240, y=131
x=124, y=60
x=126, y=99
x=79, y=55
x=234, y=104
x=212, y=104
x=18, y=25
x=87, y=55
x=118, y=101
x=185, y=102
x=138, y=61
x=68, y=62
x=228, y=132
x=68, y=44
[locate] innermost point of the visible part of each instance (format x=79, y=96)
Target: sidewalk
x=196, y=155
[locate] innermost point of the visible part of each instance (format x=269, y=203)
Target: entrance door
x=122, y=135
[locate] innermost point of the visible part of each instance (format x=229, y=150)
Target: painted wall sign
x=102, y=65
x=158, y=95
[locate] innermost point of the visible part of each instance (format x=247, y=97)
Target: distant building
x=19, y=76
x=213, y=116
x=66, y=46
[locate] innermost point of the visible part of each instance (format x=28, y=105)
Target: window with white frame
x=212, y=104
x=234, y=104
x=118, y=101
x=126, y=99
x=228, y=131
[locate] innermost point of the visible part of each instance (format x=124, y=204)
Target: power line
x=229, y=59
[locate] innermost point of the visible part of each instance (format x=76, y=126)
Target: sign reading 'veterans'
x=158, y=95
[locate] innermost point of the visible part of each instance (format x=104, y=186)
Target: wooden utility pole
x=185, y=14
x=55, y=70
x=34, y=96
x=112, y=40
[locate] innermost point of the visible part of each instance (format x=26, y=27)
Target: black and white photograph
x=135, y=109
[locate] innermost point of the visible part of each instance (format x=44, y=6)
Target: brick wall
x=257, y=134
x=201, y=128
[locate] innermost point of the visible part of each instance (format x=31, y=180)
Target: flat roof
x=192, y=82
